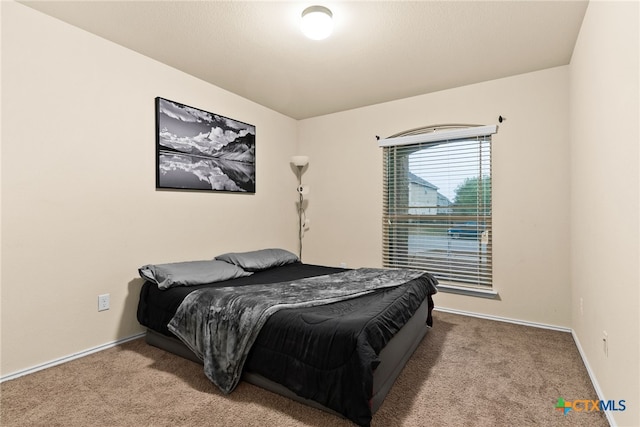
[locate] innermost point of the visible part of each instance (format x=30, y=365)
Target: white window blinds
x=437, y=204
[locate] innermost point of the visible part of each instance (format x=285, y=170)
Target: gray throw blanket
x=221, y=324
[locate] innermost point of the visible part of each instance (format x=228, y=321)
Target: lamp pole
x=300, y=212
x=300, y=162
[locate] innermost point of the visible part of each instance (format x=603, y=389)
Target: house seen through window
x=437, y=207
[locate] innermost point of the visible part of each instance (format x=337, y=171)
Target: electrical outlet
x=605, y=343
x=103, y=302
x=343, y=265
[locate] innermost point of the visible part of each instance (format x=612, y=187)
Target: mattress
x=394, y=321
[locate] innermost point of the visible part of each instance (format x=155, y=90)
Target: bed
x=340, y=355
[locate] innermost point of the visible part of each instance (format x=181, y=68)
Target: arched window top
x=437, y=133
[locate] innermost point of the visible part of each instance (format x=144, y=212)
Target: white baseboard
x=592, y=376
x=68, y=358
x=583, y=356
x=504, y=319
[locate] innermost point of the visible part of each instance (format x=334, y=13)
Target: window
x=437, y=205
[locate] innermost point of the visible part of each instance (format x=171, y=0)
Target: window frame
x=437, y=135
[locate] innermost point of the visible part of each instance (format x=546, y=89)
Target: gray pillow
x=259, y=260
x=190, y=273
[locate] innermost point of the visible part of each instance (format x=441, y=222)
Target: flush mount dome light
x=317, y=23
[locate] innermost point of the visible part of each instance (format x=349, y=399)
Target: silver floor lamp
x=300, y=162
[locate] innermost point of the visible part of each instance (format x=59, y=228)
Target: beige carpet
x=466, y=372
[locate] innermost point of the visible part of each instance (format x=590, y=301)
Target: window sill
x=469, y=291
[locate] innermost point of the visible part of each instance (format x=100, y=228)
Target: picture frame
x=202, y=151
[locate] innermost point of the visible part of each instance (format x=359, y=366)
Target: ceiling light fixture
x=317, y=22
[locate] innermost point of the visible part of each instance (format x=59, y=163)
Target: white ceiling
x=379, y=51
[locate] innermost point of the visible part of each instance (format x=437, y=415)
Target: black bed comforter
x=326, y=353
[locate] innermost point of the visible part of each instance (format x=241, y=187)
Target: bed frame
x=393, y=358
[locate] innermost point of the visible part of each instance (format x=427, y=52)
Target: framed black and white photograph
x=198, y=150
